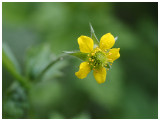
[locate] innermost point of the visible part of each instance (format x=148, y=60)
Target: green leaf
x=93, y=36
x=36, y=60
x=11, y=110
x=10, y=63
x=7, y=53
x=78, y=54
x=42, y=64
x=54, y=71
x=15, y=101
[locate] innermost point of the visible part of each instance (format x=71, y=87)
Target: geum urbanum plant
x=97, y=56
x=41, y=67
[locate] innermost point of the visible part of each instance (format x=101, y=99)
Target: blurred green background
x=35, y=33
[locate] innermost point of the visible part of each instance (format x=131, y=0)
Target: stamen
x=110, y=53
x=92, y=54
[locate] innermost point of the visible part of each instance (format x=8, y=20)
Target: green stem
x=18, y=77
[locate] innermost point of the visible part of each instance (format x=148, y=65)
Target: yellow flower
x=98, y=58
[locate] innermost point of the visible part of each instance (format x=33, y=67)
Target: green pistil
x=97, y=60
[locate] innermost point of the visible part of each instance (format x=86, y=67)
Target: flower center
x=97, y=59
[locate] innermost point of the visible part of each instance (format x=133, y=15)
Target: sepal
x=78, y=54
x=93, y=36
x=116, y=38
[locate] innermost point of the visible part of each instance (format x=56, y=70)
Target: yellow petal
x=113, y=54
x=100, y=75
x=84, y=69
x=85, y=44
x=107, y=41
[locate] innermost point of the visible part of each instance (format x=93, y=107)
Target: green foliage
x=10, y=63
x=15, y=102
x=38, y=33
x=40, y=62
x=40, y=58
x=10, y=59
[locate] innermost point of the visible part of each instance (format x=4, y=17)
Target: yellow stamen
x=110, y=53
x=92, y=54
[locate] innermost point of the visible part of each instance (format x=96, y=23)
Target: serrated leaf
x=80, y=55
x=93, y=36
x=37, y=59
x=55, y=71
x=42, y=64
